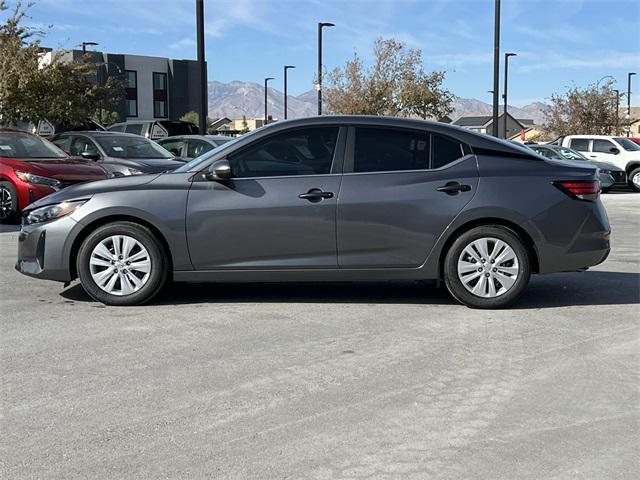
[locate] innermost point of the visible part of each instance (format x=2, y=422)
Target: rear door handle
x=453, y=188
x=315, y=195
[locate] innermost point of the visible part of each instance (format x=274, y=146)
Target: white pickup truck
x=620, y=151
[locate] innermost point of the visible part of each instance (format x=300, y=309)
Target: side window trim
x=336, y=160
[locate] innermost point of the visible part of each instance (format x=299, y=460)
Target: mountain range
x=236, y=98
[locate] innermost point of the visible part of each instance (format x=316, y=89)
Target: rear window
x=179, y=128
x=135, y=128
x=580, y=144
x=123, y=146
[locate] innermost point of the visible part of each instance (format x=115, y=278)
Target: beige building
x=248, y=123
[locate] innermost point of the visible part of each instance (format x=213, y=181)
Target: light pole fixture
x=496, y=67
x=319, y=84
x=286, y=67
x=629, y=75
x=504, y=95
x=85, y=45
x=266, y=81
x=202, y=119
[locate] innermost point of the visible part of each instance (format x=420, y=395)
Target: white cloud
x=595, y=60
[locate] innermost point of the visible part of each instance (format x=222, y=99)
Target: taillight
x=587, y=190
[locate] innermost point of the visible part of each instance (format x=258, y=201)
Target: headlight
x=606, y=172
x=37, y=179
x=134, y=171
x=51, y=212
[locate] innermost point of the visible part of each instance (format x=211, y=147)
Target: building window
x=160, y=95
x=131, y=85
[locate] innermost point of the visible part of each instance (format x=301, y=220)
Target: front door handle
x=315, y=195
x=453, y=188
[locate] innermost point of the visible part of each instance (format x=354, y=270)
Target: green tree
x=193, y=117
x=34, y=87
x=590, y=110
x=245, y=125
x=396, y=85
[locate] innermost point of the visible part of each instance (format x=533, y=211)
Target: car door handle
x=452, y=188
x=315, y=195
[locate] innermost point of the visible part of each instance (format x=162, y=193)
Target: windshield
x=121, y=146
x=570, y=154
x=627, y=144
x=23, y=145
x=193, y=164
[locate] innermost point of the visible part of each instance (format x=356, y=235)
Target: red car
x=32, y=167
x=635, y=139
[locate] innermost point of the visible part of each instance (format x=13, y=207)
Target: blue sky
x=559, y=42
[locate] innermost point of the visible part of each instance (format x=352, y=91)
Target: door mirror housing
x=90, y=155
x=220, y=170
x=614, y=150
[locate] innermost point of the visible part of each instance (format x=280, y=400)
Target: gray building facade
x=156, y=88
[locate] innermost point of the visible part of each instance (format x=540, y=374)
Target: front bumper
x=43, y=249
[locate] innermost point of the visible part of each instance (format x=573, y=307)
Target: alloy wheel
x=6, y=203
x=120, y=265
x=636, y=179
x=488, y=267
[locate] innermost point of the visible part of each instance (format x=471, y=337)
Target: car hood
x=150, y=165
x=64, y=169
x=87, y=190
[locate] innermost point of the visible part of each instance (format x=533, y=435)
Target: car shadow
x=547, y=291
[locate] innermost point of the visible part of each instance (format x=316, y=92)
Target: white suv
x=620, y=151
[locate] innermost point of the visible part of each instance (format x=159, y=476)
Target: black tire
x=157, y=254
x=635, y=187
x=9, y=212
x=456, y=286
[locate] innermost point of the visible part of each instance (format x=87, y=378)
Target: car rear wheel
x=634, y=180
x=8, y=203
x=122, y=263
x=487, y=267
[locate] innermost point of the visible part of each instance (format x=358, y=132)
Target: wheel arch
x=99, y=222
x=520, y=232
x=631, y=166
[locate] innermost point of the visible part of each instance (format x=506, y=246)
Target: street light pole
x=629, y=75
x=202, y=120
x=504, y=95
x=266, y=81
x=286, y=67
x=496, y=67
x=617, y=92
x=319, y=85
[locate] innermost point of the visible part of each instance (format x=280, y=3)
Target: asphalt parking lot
x=382, y=380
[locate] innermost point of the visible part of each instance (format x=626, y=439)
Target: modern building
x=155, y=87
x=483, y=123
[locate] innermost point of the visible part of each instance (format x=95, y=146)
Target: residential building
x=154, y=87
x=483, y=123
x=242, y=124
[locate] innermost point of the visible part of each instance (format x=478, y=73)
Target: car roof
x=15, y=130
x=101, y=133
x=591, y=136
x=197, y=137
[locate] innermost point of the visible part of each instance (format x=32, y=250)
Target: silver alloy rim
x=6, y=203
x=120, y=265
x=636, y=179
x=488, y=267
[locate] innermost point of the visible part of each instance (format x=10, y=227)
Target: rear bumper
x=589, y=245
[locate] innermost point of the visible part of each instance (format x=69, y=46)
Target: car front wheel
x=8, y=203
x=487, y=267
x=122, y=263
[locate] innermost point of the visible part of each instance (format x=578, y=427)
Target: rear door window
x=134, y=128
x=389, y=150
x=602, y=146
x=579, y=144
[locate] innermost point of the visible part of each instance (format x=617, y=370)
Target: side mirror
x=90, y=155
x=614, y=150
x=220, y=170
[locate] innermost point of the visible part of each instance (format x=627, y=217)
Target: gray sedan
x=191, y=146
x=341, y=198
x=121, y=154
x=609, y=175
